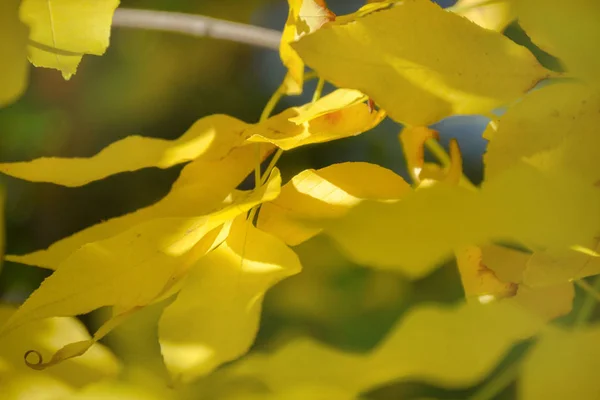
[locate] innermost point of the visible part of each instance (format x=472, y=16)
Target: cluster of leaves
x=212, y=251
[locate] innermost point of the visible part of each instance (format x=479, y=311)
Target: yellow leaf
x=479, y=282
x=453, y=347
x=132, y=268
x=324, y=194
x=304, y=363
x=552, y=211
x=564, y=364
x=13, y=53
x=552, y=128
x=450, y=347
x=335, y=116
x=335, y=101
x=483, y=285
x=508, y=264
x=304, y=16
x=62, y=31
x=224, y=294
x=203, y=186
x=421, y=63
x=413, y=146
x=570, y=33
x=209, y=139
x=551, y=267
x=34, y=387
x=494, y=15
x=47, y=336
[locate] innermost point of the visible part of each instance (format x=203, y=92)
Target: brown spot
x=334, y=117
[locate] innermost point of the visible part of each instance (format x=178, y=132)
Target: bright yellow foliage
x=304, y=16
x=209, y=139
x=224, y=294
x=418, y=232
x=553, y=129
x=338, y=115
x=13, y=53
x=445, y=66
x=62, y=31
x=494, y=15
x=567, y=30
x=133, y=268
x=327, y=193
x=196, y=260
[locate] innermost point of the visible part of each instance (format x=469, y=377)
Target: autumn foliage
x=206, y=254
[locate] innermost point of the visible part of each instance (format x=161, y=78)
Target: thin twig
x=197, y=25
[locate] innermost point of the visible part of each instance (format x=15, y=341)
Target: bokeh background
x=157, y=84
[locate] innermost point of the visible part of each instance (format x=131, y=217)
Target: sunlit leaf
x=413, y=146
x=563, y=365
x=133, y=268
x=62, y=31
x=203, y=186
x=553, y=128
x=209, y=139
x=304, y=16
x=340, y=114
x=479, y=282
x=224, y=294
x=324, y=194
x=494, y=15
x=569, y=32
x=421, y=63
x=13, y=53
x=483, y=285
x=413, y=235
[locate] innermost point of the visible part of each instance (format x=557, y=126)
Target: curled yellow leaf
x=340, y=114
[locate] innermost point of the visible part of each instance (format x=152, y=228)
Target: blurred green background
x=157, y=84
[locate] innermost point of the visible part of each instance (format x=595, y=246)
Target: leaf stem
x=589, y=304
x=271, y=165
x=197, y=25
x=318, y=90
x=266, y=113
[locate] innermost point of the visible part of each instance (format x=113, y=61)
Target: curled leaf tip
x=38, y=364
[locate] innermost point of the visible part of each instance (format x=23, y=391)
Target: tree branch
x=197, y=25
